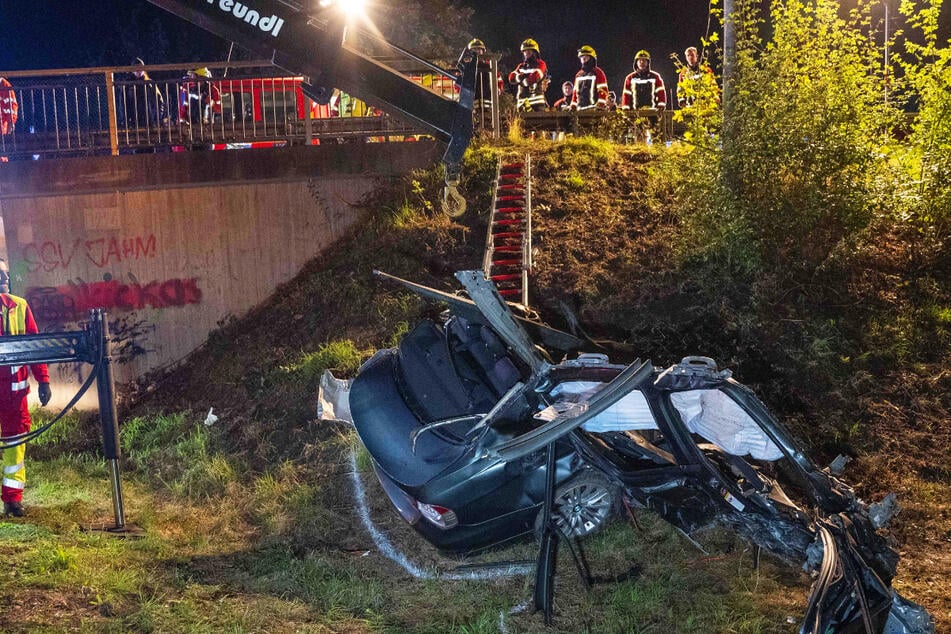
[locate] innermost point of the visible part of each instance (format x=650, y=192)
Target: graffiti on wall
x=73, y=300
x=129, y=338
x=53, y=255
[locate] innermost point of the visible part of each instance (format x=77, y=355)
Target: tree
x=807, y=128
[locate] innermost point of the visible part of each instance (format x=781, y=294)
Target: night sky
x=69, y=33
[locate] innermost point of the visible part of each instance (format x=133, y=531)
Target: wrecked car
x=458, y=419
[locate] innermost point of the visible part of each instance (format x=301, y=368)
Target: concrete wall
x=173, y=244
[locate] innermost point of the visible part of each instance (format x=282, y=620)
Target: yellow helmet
x=202, y=72
x=476, y=43
x=587, y=50
x=642, y=54
x=530, y=45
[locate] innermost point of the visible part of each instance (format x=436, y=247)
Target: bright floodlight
x=356, y=12
x=353, y=8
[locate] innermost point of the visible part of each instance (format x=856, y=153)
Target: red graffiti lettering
x=73, y=300
x=146, y=248
x=50, y=255
x=94, y=251
x=113, y=251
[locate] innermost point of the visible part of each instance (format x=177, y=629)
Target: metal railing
x=117, y=110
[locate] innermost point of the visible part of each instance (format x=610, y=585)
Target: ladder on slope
x=508, y=245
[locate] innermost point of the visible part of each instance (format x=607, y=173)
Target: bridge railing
x=110, y=110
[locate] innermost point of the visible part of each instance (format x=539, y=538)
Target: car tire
x=583, y=505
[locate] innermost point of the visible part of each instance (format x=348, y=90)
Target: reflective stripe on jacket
x=644, y=90
x=17, y=319
x=9, y=108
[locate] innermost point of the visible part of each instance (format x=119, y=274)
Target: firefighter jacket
x=530, y=78
x=644, y=89
x=17, y=319
x=591, y=89
x=9, y=108
x=199, y=101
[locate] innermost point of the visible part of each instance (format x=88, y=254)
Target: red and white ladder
x=508, y=246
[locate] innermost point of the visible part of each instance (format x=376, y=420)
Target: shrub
x=797, y=161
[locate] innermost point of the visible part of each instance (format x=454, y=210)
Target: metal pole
x=543, y=597
x=105, y=385
x=308, y=124
x=729, y=132
x=885, y=61
x=113, y=118
x=729, y=59
x=496, y=98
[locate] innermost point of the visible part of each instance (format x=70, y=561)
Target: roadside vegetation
x=807, y=250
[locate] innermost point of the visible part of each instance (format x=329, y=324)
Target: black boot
x=13, y=508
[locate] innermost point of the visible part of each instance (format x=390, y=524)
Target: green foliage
x=341, y=356
x=795, y=169
x=927, y=70
x=52, y=560
x=574, y=180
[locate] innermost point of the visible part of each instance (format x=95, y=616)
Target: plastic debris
x=333, y=398
x=881, y=513
x=837, y=466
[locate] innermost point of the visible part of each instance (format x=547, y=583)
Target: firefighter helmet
x=642, y=54
x=202, y=72
x=476, y=43
x=530, y=45
x=587, y=50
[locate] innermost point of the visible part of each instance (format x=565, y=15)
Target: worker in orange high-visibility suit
x=9, y=108
x=17, y=319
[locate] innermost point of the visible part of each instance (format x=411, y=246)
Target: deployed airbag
x=631, y=412
x=718, y=418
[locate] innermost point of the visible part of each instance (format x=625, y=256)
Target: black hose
x=8, y=442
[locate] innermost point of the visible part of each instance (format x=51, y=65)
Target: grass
x=283, y=551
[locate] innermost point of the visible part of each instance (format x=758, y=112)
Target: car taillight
x=438, y=515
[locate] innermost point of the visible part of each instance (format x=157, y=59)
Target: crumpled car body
x=457, y=421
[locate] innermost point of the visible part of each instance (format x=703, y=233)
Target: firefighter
x=695, y=79
x=487, y=86
x=9, y=108
x=17, y=319
x=643, y=88
x=144, y=103
x=200, y=99
x=564, y=103
x=530, y=76
x=591, y=84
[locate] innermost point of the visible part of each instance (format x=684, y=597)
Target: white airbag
x=715, y=416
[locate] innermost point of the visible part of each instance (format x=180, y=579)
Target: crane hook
x=453, y=204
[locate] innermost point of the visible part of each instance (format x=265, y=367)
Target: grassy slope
x=251, y=524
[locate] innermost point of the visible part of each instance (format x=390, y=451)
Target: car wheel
x=582, y=505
